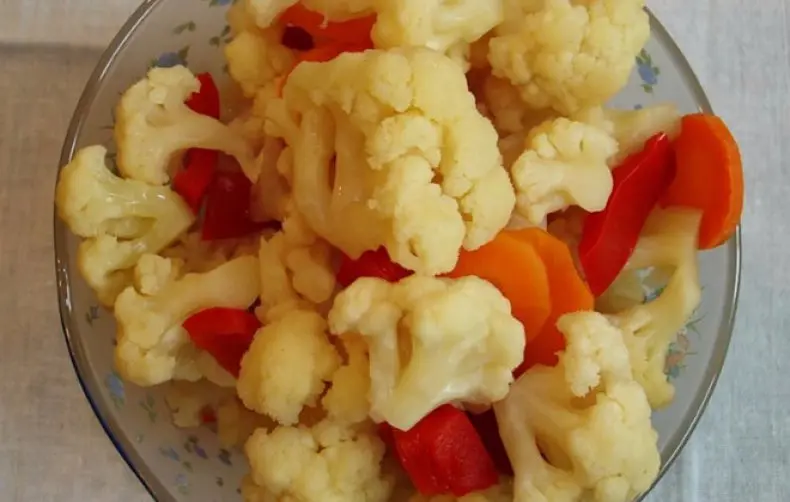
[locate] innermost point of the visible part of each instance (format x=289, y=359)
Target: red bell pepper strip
x=207, y=415
x=224, y=333
x=486, y=426
x=609, y=237
x=443, y=453
x=192, y=181
x=296, y=38
x=227, y=214
x=351, y=31
x=206, y=100
x=370, y=264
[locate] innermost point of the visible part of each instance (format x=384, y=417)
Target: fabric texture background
x=53, y=449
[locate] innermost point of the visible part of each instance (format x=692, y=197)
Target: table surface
x=51, y=446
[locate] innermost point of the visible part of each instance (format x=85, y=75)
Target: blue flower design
x=192, y=446
x=224, y=37
x=189, y=26
x=182, y=484
x=149, y=405
x=170, y=453
x=92, y=314
x=648, y=72
x=170, y=59
x=224, y=457
x=116, y=388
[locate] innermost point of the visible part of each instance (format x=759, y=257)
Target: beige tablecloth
x=51, y=446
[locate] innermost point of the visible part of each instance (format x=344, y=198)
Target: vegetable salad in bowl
x=403, y=256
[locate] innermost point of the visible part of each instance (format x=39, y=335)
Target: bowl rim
x=91, y=387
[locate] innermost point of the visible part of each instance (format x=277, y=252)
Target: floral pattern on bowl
x=181, y=465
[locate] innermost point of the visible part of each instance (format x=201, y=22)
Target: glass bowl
x=180, y=465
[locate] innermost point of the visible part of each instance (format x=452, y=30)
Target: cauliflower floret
x=580, y=430
x=192, y=254
x=264, y=12
x=328, y=463
x=389, y=149
x=346, y=400
x=150, y=337
x=508, y=112
x=271, y=195
x=632, y=128
x=669, y=239
x=287, y=366
x=432, y=341
x=189, y=401
x=564, y=164
x=257, y=58
x=447, y=27
x=568, y=54
x=296, y=269
x=235, y=423
x=121, y=219
x=154, y=126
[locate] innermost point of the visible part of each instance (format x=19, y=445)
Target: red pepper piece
x=227, y=213
x=610, y=236
x=206, y=100
x=370, y=264
x=385, y=434
x=192, y=182
x=224, y=333
x=486, y=426
x=351, y=31
x=207, y=416
x=443, y=453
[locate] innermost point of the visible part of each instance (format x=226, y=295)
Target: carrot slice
x=709, y=177
x=568, y=293
x=515, y=268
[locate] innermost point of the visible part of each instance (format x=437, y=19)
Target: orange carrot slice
x=709, y=177
x=514, y=267
x=568, y=293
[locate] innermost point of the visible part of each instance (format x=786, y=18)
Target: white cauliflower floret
x=446, y=27
x=235, y=423
x=296, y=269
x=416, y=167
x=508, y=112
x=271, y=194
x=121, y=219
x=264, y=12
x=256, y=59
x=328, y=463
x=347, y=400
x=154, y=126
x=150, y=337
x=669, y=239
x=632, y=128
x=564, y=164
x=580, y=430
x=287, y=366
x=432, y=341
x=568, y=54
x=192, y=254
